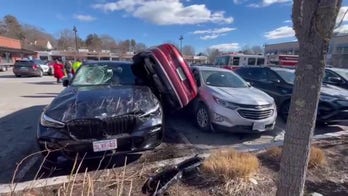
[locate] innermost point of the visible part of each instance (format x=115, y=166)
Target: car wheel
x=202, y=118
x=284, y=111
x=40, y=73
x=18, y=76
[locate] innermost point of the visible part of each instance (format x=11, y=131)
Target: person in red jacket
x=58, y=68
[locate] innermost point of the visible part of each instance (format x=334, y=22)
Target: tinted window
x=235, y=61
x=342, y=72
x=223, y=79
x=286, y=74
x=251, y=61
x=222, y=60
x=258, y=74
x=260, y=61
x=328, y=75
x=102, y=74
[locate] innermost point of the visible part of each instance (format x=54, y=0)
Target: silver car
x=227, y=102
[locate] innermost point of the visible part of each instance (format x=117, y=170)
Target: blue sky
x=224, y=24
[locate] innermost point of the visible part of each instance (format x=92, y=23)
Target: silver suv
x=227, y=102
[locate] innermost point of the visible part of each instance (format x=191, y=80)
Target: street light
x=75, y=31
x=181, y=38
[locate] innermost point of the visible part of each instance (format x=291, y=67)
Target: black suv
x=337, y=77
x=278, y=83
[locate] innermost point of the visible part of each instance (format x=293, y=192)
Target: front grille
x=97, y=128
x=255, y=106
x=255, y=114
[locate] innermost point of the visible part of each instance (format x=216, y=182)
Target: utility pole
x=75, y=31
x=181, y=38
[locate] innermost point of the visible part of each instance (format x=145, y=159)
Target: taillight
x=35, y=67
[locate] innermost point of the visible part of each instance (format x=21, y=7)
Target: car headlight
x=155, y=111
x=225, y=103
x=327, y=98
x=50, y=122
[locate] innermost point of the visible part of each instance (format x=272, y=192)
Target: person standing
x=58, y=68
x=76, y=65
x=68, y=69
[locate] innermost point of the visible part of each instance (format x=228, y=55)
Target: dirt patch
x=331, y=179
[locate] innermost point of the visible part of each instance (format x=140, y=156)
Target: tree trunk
x=313, y=21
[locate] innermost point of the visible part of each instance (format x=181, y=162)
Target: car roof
x=336, y=68
x=208, y=68
x=282, y=69
x=107, y=62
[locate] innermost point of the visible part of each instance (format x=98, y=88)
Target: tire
x=202, y=118
x=284, y=110
x=18, y=76
x=41, y=73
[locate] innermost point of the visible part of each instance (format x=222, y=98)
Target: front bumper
x=233, y=121
x=66, y=145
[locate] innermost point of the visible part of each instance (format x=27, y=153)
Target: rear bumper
x=26, y=73
x=243, y=128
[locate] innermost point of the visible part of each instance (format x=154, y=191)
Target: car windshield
x=286, y=74
x=342, y=72
x=223, y=79
x=104, y=74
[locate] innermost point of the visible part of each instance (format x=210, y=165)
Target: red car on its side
x=164, y=68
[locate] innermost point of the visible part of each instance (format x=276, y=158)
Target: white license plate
x=259, y=126
x=104, y=145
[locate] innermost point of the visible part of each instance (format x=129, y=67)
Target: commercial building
x=337, y=53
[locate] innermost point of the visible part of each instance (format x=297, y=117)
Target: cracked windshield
x=174, y=97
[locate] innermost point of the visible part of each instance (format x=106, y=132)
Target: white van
x=235, y=60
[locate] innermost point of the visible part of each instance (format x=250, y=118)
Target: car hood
x=334, y=91
x=100, y=102
x=248, y=96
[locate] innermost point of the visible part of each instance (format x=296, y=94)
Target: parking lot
x=23, y=99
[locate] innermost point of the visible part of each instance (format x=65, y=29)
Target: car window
x=286, y=74
x=251, y=61
x=257, y=74
x=223, y=79
x=260, y=61
x=342, y=72
x=102, y=74
x=235, y=60
x=328, y=75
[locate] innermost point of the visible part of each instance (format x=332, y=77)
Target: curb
x=9, y=188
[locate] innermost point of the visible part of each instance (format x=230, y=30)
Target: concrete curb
x=8, y=188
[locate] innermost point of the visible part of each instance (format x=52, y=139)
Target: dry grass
x=317, y=156
x=230, y=164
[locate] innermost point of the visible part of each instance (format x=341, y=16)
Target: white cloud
x=287, y=21
x=239, y=1
x=281, y=32
x=266, y=3
x=166, y=12
x=213, y=33
x=341, y=15
x=84, y=18
x=226, y=47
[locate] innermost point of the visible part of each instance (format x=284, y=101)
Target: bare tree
x=212, y=53
x=12, y=28
x=139, y=47
x=188, y=50
x=108, y=42
x=66, y=40
x=257, y=50
x=93, y=42
x=313, y=24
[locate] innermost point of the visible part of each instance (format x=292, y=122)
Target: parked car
x=337, y=77
x=43, y=65
x=226, y=102
x=164, y=68
x=27, y=68
x=278, y=83
x=103, y=111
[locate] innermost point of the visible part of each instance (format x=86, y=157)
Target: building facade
x=337, y=53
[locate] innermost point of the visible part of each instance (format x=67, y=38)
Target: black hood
x=100, y=102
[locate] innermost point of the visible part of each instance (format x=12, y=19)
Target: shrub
x=230, y=164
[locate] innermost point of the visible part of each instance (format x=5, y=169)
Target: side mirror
x=66, y=82
x=335, y=80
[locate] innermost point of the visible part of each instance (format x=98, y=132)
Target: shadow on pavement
x=7, y=76
x=45, y=83
x=17, y=140
x=39, y=96
x=183, y=123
